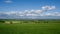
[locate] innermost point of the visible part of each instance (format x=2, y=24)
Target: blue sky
x=29, y=8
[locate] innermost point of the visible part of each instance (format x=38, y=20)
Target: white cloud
x=33, y=13
x=10, y=13
x=38, y=11
x=24, y=13
x=48, y=7
x=56, y=14
x=8, y=1
x=52, y=14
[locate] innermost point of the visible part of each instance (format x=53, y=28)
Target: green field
x=30, y=28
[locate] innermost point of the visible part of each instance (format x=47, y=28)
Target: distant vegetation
x=11, y=21
x=1, y=21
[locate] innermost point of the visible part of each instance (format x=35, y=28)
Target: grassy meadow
x=30, y=27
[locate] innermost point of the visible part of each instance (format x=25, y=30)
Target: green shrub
x=1, y=21
x=11, y=22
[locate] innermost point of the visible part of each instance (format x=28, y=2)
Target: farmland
x=30, y=27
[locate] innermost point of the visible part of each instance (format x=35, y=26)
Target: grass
x=28, y=28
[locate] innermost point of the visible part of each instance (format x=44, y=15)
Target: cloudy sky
x=30, y=9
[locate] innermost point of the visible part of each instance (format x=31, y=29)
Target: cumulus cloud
x=8, y=1
x=56, y=13
x=48, y=7
x=52, y=14
x=32, y=13
x=37, y=11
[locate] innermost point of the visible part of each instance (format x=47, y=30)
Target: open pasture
x=30, y=28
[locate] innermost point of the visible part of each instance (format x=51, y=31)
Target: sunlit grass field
x=30, y=28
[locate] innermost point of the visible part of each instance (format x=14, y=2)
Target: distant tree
x=25, y=21
x=1, y=21
x=11, y=22
x=45, y=21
